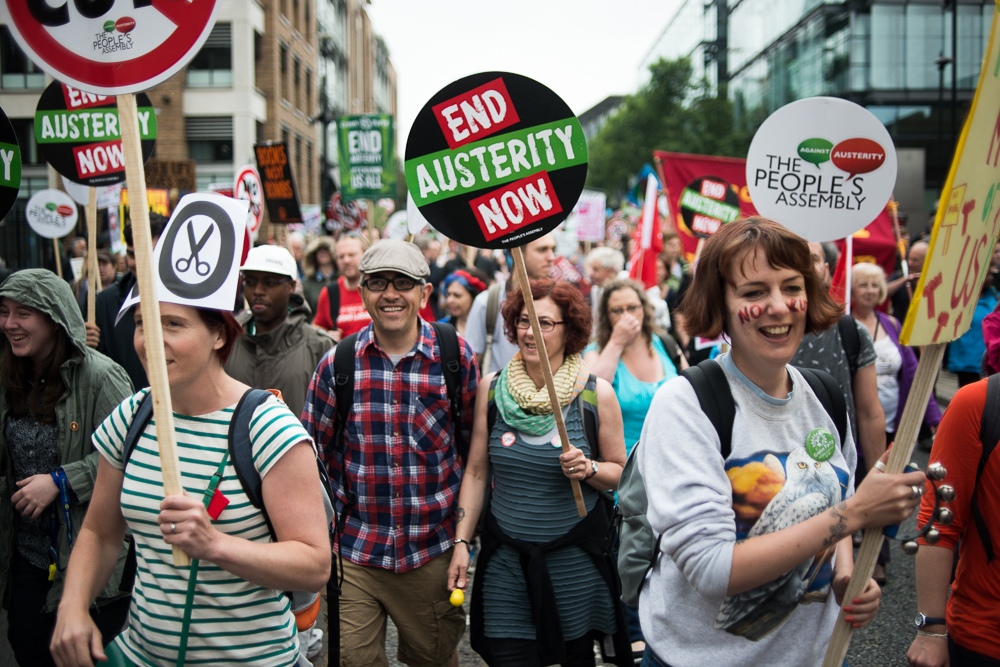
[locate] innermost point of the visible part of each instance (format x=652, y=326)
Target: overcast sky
x=584, y=50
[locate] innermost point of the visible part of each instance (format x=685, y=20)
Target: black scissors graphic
x=195, y=249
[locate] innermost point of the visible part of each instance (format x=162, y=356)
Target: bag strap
x=333, y=300
x=492, y=310
x=989, y=434
x=673, y=352
x=850, y=340
x=140, y=419
x=343, y=387
x=587, y=401
x=241, y=453
x=831, y=396
x=716, y=399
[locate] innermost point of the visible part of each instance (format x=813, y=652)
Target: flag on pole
x=647, y=241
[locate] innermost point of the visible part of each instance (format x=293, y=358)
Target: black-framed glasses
x=399, y=283
x=631, y=310
x=269, y=283
x=545, y=325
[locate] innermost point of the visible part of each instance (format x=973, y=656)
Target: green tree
x=673, y=112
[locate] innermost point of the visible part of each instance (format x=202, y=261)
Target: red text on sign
x=98, y=159
x=520, y=203
x=475, y=114
x=713, y=189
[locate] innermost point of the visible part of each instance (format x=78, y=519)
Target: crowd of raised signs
x=448, y=473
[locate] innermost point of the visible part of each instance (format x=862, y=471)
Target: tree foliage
x=672, y=112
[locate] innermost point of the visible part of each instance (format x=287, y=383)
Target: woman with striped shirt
x=239, y=612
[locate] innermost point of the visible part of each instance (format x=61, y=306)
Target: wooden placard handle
x=93, y=273
x=522, y=279
x=902, y=449
x=156, y=362
x=57, y=248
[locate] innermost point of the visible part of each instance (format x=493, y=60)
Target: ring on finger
x=879, y=466
x=173, y=527
x=571, y=469
x=917, y=492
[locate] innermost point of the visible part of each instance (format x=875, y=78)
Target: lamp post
x=941, y=62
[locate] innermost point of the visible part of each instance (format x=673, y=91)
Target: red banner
x=876, y=243
x=684, y=178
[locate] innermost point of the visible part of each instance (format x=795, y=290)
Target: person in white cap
x=280, y=349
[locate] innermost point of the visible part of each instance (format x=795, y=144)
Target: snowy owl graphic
x=810, y=487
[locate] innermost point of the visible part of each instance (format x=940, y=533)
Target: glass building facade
x=894, y=57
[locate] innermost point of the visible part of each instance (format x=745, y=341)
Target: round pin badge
x=820, y=444
x=507, y=439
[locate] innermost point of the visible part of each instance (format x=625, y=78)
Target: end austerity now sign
x=495, y=159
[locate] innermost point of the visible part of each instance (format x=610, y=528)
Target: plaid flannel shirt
x=399, y=450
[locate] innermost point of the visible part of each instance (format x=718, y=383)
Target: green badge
x=820, y=444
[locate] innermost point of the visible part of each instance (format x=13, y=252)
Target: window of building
x=296, y=68
x=308, y=91
x=24, y=130
x=260, y=132
x=209, y=138
x=213, y=66
x=285, y=134
x=307, y=21
x=298, y=154
x=309, y=167
x=295, y=13
x=283, y=59
x=16, y=69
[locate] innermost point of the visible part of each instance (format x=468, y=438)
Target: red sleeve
x=958, y=449
x=322, y=319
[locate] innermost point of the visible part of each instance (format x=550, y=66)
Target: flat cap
x=395, y=255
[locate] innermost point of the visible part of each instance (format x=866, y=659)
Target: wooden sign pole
x=902, y=449
x=94, y=273
x=156, y=363
x=522, y=279
x=56, y=247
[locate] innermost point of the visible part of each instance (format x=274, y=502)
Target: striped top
x=234, y=622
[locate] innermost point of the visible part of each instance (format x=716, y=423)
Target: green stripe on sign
x=496, y=160
x=88, y=125
x=708, y=206
x=10, y=165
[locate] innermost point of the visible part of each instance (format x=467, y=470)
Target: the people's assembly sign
x=495, y=160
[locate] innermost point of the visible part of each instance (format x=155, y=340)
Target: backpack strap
x=491, y=407
x=670, y=345
x=140, y=419
x=850, y=340
x=831, y=396
x=587, y=400
x=333, y=300
x=989, y=434
x=241, y=453
x=492, y=309
x=451, y=365
x=716, y=399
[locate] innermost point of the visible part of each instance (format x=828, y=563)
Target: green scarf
x=525, y=407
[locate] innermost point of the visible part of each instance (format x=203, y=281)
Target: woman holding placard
x=756, y=545
x=544, y=589
x=238, y=611
x=54, y=391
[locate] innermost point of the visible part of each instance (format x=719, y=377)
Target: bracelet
x=932, y=634
x=459, y=540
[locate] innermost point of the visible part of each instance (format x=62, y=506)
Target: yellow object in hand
x=457, y=597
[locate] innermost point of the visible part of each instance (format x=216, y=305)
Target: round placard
x=823, y=167
x=51, y=213
x=78, y=133
x=707, y=203
x=110, y=47
x=248, y=188
x=495, y=160
x=10, y=165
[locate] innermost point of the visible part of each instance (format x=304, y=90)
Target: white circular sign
x=110, y=47
x=395, y=226
x=248, y=188
x=823, y=167
x=51, y=213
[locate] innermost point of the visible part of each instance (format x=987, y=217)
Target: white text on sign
x=475, y=114
x=520, y=203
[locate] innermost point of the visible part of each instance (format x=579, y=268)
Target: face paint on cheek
x=798, y=305
x=748, y=313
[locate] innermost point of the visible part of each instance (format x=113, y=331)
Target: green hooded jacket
x=97, y=386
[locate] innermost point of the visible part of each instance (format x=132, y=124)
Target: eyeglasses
x=631, y=310
x=269, y=283
x=524, y=322
x=399, y=283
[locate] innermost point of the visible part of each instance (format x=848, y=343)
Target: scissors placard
x=199, y=255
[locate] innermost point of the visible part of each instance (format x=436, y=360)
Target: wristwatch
x=593, y=468
x=922, y=621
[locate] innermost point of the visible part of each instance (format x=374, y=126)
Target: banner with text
x=367, y=153
x=280, y=194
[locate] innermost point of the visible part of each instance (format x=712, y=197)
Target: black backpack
x=638, y=546
x=333, y=300
x=989, y=435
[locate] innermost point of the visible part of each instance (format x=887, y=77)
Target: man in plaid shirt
x=400, y=457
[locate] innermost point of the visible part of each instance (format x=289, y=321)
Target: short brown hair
x=231, y=329
x=566, y=295
x=727, y=251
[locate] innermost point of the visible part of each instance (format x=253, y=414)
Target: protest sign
x=366, y=148
x=589, y=214
x=823, y=167
x=51, y=214
x=110, y=47
x=78, y=134
x=492, y=190
x=280, y=194
x=10, y=165
x=248, y=188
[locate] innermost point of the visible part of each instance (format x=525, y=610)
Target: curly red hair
x=566, y=295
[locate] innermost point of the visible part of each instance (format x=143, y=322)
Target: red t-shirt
x=973, y=613
x=352, y=315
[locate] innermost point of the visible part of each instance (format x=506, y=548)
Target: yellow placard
x=967, y=222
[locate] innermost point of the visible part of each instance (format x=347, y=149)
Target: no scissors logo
x=198, y=252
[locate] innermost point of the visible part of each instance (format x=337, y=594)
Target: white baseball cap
x=271, y=259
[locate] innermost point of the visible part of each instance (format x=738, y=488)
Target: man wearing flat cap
x=397, y=469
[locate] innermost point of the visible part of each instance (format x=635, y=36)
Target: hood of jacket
x=309, y=258
x=45, y=291
x=298, y=314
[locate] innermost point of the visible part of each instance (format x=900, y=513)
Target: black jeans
x=963, y=657
x=29, y=626
x=524, y=653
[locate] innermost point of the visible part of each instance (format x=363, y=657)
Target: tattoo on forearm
x=839, y=529
x=461, y=514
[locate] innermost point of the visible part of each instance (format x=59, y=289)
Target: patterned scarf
x=524, y=406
